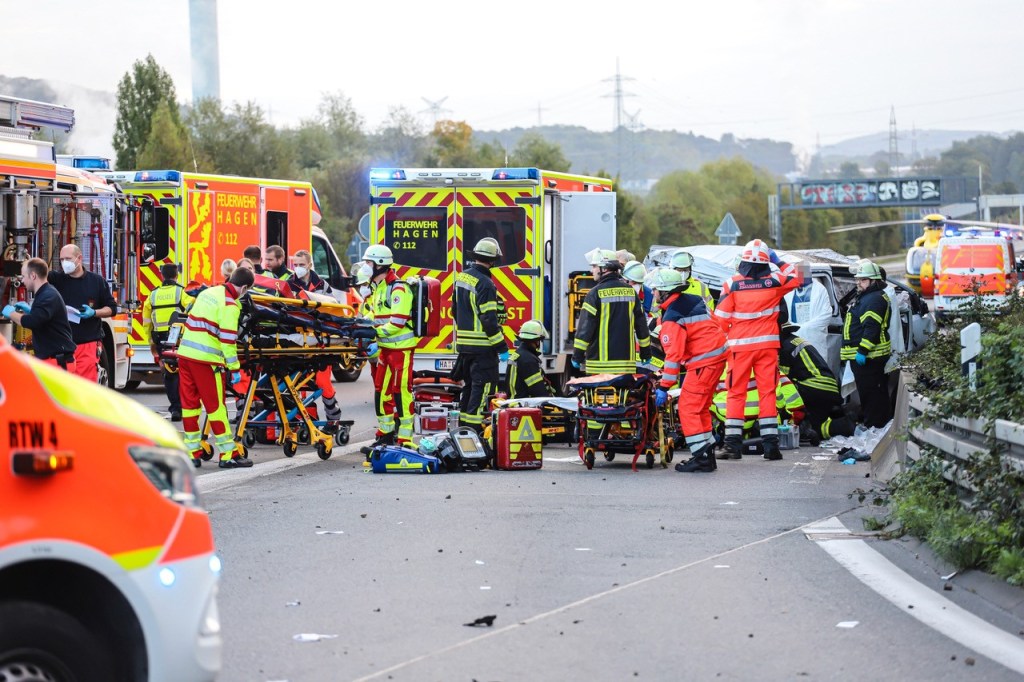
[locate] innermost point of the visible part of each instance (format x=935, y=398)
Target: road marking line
x=219, y=480
x=929, y=607
x=579, y=602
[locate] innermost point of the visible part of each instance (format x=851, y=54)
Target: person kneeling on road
x=525, y=376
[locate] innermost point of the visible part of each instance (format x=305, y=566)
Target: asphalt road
x=591, y=575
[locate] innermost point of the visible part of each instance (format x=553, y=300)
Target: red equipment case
x=517, y=437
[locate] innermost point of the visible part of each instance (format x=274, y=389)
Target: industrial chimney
x=202, y=16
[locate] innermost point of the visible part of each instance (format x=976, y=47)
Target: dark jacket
x=866, y=329
x=803, y=364
x=48, y=320
x=90, y=289
x=525, y=376
x=611, y=326
x=476, y=309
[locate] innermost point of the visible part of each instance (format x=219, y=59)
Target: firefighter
x=254, y=255
x=89, y=294
x=274, y=264
x=694, y=342
x=478, y=336
x=635, y=273
x=866, y=343
x=748, y=313
x=163, y=302
x=47, y=317
x=525, y=376
x=307, y=280
x=611, y=324
x=206, y=353
x=682, y=262
x=818, y=387
x=396, y=342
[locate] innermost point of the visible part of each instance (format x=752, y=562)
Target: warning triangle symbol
x=526, y=431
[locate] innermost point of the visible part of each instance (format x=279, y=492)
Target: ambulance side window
x=154, y=232
x=324, y=265
x=507, y=224
x=417, y=236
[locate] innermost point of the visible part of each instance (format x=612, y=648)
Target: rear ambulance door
x=274, y=223
x=159, y=218
x=509, y=214
x=418, y=225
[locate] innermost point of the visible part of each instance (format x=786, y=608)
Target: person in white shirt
x=810, y=309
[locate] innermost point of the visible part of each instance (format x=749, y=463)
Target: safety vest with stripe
x=787, y=400
x=476, y=312
x=525, y=377
x=690, y=337
x=748, y=309
x=392, y=313
x=164, y=301
x=866, y=329
x=611, y=326
x=802, y=363
x=211, y=329
x=695, y=286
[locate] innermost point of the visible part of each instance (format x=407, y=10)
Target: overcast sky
x=784, y=69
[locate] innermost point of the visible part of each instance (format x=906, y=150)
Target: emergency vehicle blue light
x=516, y=174
x=158, y=176
x=387, y=174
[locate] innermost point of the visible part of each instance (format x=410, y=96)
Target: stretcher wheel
x=289, y=448
x=207, y=451
x=609, y=456
x=242, y=451
x=670, y=454
x=342, y=437
x=650, y=459
x=302, y=435
x=249, y=438
x=588, y=458
x=323, y=451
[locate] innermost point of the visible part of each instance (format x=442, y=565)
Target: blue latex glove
x=575, y=363
x=661, y=397
x=860, y=359
x=8, y=309
x=87, y=312
x=503, y=356
x=236, y=377
x=774, y=257
x=22, y=307
x=373, y=350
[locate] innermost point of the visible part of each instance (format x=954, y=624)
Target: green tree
x=167, y=145
x=400, y=140
x=240, y=141
x=453, y=146
x=139, y=93
x=533, y=150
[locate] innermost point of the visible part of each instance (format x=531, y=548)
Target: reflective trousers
x=698, y=392
x=393, y=393
x=202, y=387
x=482, y=371
x=325, y=382
x=765, y=364
x=87, y=360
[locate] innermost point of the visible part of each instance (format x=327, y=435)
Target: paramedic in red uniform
x=748, y=312
x=694, y=342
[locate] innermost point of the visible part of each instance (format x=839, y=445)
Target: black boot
x=703, y=461
x=733, y=448
x=383, y=439
x=771, y=450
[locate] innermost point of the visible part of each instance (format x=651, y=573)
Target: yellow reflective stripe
x=137, y=558
x=590, y=309
x=535, y=379
x=872, y=315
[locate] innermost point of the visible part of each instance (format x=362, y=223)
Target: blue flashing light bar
x=516, y=174
x=387, y=174
x=158, y=176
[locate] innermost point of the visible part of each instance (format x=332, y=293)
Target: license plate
x=445, y=365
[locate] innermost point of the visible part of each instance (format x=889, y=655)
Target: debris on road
x=312, y=637
x=482, y=620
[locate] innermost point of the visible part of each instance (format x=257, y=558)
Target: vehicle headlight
x=169, y=471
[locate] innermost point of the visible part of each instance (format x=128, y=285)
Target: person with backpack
x=392, y=315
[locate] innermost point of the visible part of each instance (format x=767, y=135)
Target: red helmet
x=756, y=251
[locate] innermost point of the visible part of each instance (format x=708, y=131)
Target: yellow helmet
x=532, y=329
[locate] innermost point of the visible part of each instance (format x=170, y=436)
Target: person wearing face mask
x=363, y=276
x=47, y=317
x=206, y=353
x=89, y=294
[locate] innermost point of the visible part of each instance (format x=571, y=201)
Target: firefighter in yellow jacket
x=166, y=300
x=206, y=353
x=396, y=342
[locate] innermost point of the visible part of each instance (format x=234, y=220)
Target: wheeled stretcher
x=616, y=416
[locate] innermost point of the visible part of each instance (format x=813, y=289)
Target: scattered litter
x=311, y=637
x=849, y=460
x=485, y=587
x=820, y=457
x=802, y=464
x=950, y=576
x=863, y=439
x=969, y=660
x=721, y=565
x=478, y=562
x=330, y=532
x=848, y=624
x=726, y=503
x=582, y=549
x=482, y=620
x=948, y=587
x=292, y=603
x=362, y=516
x=854, y=454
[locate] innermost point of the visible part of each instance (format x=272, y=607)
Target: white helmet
x=488, y=248
x=667, y=279
x=681, y=260
x=532, y=329
x=635, y=272
x=756, y=251
x=364, y=274
x=602, y=258
x=865, y=269
x=378, y=254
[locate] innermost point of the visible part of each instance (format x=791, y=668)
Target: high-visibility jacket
x=866, y=329
x=695, y=286
x=525, y=376
x=611, y=326
x=164, y=301
x=476, y=310
x=690, y=337
x=392, y=313
x=211, y=329
x=748, y=309
x=787, y=400
x=802, y=363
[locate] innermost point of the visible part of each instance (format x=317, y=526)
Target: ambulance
x=108, y=568
x=971, y=265
x=196, y=221
x=45, y=205
x=544, y=222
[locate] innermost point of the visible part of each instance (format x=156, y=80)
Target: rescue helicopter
x=920, y=261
